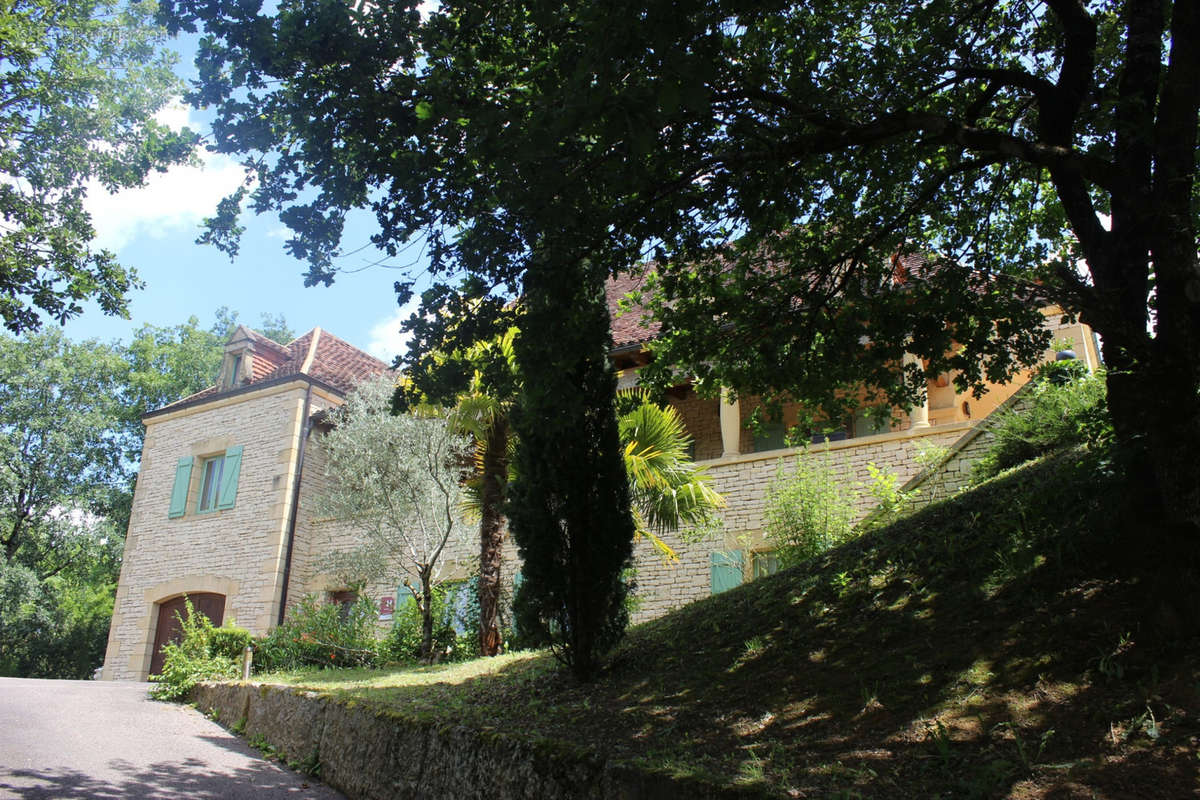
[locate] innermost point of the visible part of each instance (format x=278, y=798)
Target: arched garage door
x=209, y=604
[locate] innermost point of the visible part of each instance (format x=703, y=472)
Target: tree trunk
x=491, y=535
x=568, y=507
x=426, y=619
x=1154, y=404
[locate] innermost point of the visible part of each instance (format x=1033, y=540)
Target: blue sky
x=153, y=229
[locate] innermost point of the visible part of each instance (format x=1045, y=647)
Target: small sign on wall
x=387, y=607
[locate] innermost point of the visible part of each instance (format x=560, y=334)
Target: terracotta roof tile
x=342, y=365
x=335, y=362
x=627, y=327
x=269, y=355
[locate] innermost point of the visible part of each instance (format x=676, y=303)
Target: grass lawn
x=978, y=648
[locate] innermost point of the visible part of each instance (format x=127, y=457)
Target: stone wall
x=953, y=472
x=702, y=417
x=369, y=754
x=743, y=480
x=236, y=552
x=317, y=538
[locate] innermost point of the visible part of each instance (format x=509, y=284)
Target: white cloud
x=386, y=340
x=171, y=202
x=175, y=116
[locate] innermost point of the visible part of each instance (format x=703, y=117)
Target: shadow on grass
x=982, y=647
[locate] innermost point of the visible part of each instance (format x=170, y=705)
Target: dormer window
x=235, y=370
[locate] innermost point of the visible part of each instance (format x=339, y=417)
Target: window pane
x=764, y=564
x=235, y=369
x=771, y=436
x=211, y=483
x=869, y=421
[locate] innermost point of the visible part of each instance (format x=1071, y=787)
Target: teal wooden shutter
x=518, y=579
x=179, y=492
x=404, y=600
x=229, y=477
x=726, y=570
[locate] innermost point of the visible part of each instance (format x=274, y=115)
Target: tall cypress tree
x=569, y=506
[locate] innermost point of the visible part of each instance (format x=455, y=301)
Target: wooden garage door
x=207, y=603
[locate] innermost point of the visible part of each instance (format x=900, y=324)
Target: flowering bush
x=322, y=634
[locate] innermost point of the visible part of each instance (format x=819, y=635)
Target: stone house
x=216, y=510
x=742, y=463
x=219, y=513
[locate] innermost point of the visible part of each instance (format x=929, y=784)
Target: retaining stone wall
x=953, y=472
x=743, y=480
x=368, y=753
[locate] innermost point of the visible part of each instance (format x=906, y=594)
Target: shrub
x=192, y=659
x=229, y=641
x=56, y=628
x=883, y=486
x=807, y=511
x=529, y=631
x=321, y=634
x=455, y=626
x=1066, y=406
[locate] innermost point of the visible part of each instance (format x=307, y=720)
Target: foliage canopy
x=79, y=88
x=893, y=176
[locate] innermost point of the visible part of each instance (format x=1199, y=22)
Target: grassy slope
x=977, y=648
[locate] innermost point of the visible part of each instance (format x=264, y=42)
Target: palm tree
x=482, y=411
x=667, y=490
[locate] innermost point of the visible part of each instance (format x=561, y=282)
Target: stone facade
x=237, y=552
x=240, y=552
x=317, y=538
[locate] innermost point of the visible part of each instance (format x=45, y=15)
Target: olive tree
x=396, y=480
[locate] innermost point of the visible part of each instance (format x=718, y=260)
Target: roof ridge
x=262, y=338
x=356, y=348
x=312, y=350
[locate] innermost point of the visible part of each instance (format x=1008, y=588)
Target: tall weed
x=1066, y=406
x=807, y=510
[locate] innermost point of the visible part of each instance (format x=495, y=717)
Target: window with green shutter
x=217, y=482
x=227, y=490
x=179, y=492
x=726, y=570
x=404, y=599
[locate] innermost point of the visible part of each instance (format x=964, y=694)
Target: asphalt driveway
x=92, y=739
